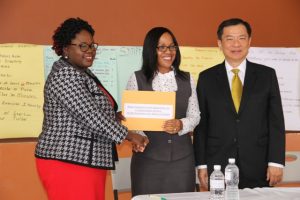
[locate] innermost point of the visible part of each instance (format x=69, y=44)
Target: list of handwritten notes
x=21, y=90
x=286, y=62
x=105, y=68
x=197, y=59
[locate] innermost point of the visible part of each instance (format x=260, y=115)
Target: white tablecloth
x=283, y=193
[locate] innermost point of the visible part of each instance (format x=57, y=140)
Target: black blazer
x=254, y=136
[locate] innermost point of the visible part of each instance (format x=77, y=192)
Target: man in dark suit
x=241, y=114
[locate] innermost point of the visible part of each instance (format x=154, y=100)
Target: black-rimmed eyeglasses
x=85, y=47
x=164, y=48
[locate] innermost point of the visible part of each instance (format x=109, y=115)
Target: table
x=276, y=193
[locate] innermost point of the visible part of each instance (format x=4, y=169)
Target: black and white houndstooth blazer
x=79, y=124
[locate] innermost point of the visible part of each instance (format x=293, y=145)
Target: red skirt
x=65, y=181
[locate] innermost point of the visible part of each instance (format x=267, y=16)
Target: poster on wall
x=24, y=69
x=21, y=90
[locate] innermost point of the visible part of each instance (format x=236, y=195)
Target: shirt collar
x=241, y=67
x=168, y=73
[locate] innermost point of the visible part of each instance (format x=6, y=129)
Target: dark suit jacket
x=254, y=136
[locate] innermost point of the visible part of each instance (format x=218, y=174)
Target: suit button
x=234, y=140
x=169, y=141
x=237, y=120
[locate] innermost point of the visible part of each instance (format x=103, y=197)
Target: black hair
x=232, y=22
x=67, y=31
x=149, y=66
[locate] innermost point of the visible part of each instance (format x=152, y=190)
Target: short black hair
x=149, y=66
x=232, y=22
x=66, y=32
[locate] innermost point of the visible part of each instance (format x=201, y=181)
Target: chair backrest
x=291, y=173
x=121, y=181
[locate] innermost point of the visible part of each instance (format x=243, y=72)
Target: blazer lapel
x=223, y=83
x=249, y=82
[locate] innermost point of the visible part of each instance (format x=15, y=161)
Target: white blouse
x=167, y=83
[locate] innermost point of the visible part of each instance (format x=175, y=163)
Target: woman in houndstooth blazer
x=80, y=127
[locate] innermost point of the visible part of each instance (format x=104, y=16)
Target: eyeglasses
x=84, y=47
x=164, y=48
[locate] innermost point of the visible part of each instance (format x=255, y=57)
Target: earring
x=66, y=57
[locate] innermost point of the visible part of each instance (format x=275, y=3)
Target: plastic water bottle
x=217, y=185
x=232, y=180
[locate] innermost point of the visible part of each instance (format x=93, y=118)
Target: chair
x=121, y=181
x=291, y=173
